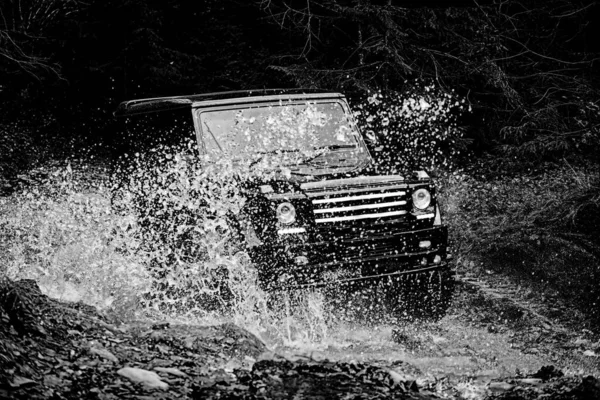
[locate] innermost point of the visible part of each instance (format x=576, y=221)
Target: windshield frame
x=203, y=136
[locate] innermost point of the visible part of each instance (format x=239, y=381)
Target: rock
x=52, y=380
x=22, y=301
x=402, y=381
x=171, y=371
x=19, y=381
x=148, y=378
x=163, y=348
x=499, y=387
x=396, y=378
x=547, y=372
x=103, y=353
x=188, y=342
x=531, y=381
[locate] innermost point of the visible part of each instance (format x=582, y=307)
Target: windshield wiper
x=328, y=148
x=336, y=147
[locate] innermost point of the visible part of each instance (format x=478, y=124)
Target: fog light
x=286, y=213
x=425, y=244
x=437, y=259
x=424, y=262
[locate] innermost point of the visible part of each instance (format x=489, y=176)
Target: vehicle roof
x=156, y=104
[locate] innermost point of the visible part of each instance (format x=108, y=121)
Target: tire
x=420, y=297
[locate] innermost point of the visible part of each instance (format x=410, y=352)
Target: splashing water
x=190, y=215
x=160, y=235
x=62, y=231
x=416, y=129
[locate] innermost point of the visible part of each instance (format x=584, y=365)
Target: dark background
x=529, y=68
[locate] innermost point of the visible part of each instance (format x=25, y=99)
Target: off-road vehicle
x=329, y=218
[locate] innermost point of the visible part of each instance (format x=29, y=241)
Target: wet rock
x=103, y=353
x=171, y=371
x=148, y=378
x=530, y=381
x=499, y=387
x=21, y=301
x=547, y=372
x=404, y=381
x=311, y=379
x=19, y=381
x=52, y=380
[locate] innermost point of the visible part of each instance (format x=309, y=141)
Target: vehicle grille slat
x=347, y=191
x=359, y=197
x=355, y=209
x=361, y=216
x=360, y=207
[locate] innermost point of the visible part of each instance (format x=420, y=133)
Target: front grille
x=358, y=207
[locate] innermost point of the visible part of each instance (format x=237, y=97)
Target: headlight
x=421, y=199
x=286, y=213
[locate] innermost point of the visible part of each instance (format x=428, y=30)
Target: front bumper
x=296, y=263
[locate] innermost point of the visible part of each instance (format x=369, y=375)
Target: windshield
x=303, y=132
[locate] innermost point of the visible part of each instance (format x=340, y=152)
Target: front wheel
x=423, y=296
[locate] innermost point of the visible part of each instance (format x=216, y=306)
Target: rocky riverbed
x=489, y=346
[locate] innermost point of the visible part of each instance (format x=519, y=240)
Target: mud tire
x=421, y=297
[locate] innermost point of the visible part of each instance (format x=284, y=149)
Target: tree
x=526, y=66
x=25, y=28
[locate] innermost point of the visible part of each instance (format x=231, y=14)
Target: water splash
x=160, y=235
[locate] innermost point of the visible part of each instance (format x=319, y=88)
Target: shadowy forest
x=529, y=71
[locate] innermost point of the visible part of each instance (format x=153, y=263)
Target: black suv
x=330, y=219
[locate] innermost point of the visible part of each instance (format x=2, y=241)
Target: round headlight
x=421, y=199
x=286, y=213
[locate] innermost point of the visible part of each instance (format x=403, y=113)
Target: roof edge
x=155, y=104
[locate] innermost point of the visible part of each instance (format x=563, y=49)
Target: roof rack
x=141, y=106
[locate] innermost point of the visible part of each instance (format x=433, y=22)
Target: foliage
x=25, y=32
x=526, y=67
x=531, y=228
